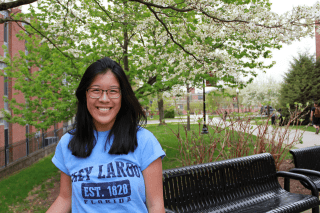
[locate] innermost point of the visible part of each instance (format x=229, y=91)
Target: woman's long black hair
x=129, y=118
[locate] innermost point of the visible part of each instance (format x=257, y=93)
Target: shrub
x=169, y=113
x=301, y=85
x=237, y=138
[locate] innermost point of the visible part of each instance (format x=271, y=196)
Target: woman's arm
x=63, y=202
x=154, y=189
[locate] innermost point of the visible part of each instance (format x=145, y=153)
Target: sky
x=283, y=56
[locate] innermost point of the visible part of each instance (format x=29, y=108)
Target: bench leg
x=287, y=184
x=315, y=209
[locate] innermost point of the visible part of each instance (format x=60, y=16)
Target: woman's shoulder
x=142, y=132
x=145, y=136
x=65, y=139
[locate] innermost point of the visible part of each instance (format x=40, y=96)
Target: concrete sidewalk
x=308, y=138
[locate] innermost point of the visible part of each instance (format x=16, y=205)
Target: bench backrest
x=213, y=184
x=307, y=158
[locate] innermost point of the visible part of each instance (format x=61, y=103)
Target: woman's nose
x=104, y=96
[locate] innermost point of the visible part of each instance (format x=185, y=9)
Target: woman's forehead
x=105, y=79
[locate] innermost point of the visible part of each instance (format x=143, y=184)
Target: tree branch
x=9, y=5
x=148, y=4
x=162, y=7
x=171, y=36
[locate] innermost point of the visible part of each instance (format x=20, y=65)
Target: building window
x=5, y=86
x=27, y=129
x=6, y=144
x=6, y=137
x=200, y=97
x=25, y=47
x=5, y=32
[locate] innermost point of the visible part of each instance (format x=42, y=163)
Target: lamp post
x=204, y=128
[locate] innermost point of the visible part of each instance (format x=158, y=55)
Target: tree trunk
x=160, y=107
x=125, y=52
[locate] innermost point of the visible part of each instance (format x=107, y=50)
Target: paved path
x=308, y=138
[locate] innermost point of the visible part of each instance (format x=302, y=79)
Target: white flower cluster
x=261, y=92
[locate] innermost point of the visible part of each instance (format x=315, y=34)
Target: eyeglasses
x=96, y=93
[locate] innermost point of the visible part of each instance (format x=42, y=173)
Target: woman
x=108, y=162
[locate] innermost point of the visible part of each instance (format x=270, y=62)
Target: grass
x=309, y=128
x=37, y=201
x=15, y=188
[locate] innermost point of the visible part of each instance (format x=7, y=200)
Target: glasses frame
x=101, y=92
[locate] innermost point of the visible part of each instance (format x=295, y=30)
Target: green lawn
x=306, y=128
x=15, y=188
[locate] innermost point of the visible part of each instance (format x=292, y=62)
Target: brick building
x=12, y=134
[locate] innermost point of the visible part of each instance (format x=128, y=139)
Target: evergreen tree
x=301, y=84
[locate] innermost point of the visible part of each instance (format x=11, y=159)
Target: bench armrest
x=300, y=177
x=168, y=210
x=305, y=171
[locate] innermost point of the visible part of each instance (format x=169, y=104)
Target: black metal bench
x=240, y=185
x=307, y=162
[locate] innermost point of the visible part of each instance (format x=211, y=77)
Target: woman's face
x=104, y=110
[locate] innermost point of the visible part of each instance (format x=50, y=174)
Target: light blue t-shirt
x=108, y=183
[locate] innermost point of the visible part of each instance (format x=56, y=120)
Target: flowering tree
x=261, y=92
x=159, y=43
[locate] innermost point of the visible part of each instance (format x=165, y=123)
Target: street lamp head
x=237, y=90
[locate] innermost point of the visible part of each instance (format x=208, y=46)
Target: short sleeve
x=59, y=158
x=150, y=148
